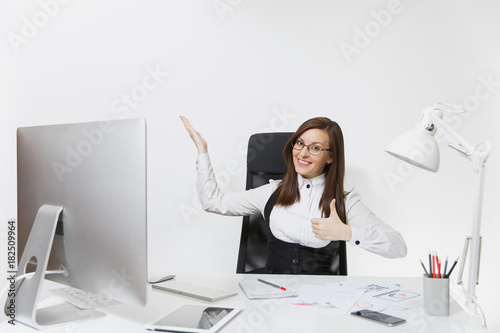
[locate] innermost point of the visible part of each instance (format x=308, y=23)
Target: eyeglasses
x=312, y=149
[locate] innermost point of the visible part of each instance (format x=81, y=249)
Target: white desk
x=262, y=316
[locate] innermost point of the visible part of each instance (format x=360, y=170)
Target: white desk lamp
x=419, y=147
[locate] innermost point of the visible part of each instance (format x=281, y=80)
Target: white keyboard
x=83, y=299
x=194, y=290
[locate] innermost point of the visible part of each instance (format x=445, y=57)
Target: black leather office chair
x=264, y=162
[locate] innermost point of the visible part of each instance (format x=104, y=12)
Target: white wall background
x=236, y=67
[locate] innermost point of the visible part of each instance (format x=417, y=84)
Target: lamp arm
x=475, y=156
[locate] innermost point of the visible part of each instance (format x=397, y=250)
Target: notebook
x=257, y=290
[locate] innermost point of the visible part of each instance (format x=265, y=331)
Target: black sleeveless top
x=291, y=258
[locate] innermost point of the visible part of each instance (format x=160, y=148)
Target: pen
x=271, y=284
x=451, y=269
x=426, y=274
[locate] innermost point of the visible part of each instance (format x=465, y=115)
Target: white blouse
x=293, y=223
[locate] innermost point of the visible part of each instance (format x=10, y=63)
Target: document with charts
x=257, y=290
x=334, y=300
x=378, y=296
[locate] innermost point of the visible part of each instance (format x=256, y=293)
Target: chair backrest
x=264, y=162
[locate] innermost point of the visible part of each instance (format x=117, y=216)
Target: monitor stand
x=37, y=251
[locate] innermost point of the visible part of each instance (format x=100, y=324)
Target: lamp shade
x=417, y=147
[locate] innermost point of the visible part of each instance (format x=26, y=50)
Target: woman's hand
x=331, y=228
x=201, y=144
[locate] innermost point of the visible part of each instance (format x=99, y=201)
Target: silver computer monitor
x=95, y=174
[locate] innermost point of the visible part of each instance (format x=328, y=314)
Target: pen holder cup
x=436, y=296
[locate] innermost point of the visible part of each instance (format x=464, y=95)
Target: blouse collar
x=316, y=181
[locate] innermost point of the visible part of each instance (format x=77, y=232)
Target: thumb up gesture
x=331, y=228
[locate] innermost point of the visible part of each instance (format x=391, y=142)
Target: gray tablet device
x=195, y=319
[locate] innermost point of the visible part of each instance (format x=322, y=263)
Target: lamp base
x=475, y=324
x=476, y=321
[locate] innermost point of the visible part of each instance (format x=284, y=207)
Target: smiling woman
x=319, y=132
x=308, y=212
x=310, y=162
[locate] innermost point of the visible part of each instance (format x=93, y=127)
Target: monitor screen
x=97, y=173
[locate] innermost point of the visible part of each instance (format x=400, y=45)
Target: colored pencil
x=426, y=274
x=433, y=266
x=430, y=264
x=445, y=265
x=451, y=269
x=439, y=267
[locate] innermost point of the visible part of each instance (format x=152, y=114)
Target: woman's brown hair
x=334, y=172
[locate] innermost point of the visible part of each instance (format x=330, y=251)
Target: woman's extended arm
x=371, y=233
x=239, y=203
x=211, y=197
x=200, y=143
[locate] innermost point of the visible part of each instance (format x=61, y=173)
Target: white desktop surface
x=259, y=315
